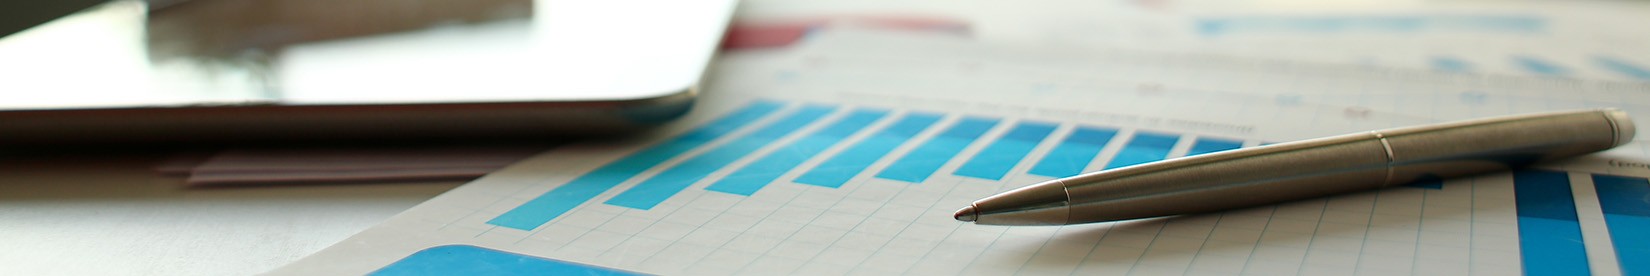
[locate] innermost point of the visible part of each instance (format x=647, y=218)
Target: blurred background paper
x=1589, y=39
x=758, y=33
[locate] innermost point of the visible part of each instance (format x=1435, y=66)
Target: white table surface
x=111, y=215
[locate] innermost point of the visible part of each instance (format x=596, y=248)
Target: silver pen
x=1305, y=169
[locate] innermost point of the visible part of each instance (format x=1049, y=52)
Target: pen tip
x=966, y=214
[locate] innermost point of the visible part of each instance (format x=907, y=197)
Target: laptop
x=254, y=70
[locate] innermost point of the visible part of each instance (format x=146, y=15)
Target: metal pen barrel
x=1305, y=169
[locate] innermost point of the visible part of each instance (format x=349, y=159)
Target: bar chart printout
x=926, y=156
x=780, y=187
x=746, y=131
x=756, y=146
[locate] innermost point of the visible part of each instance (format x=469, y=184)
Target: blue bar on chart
x=1145, y=147
x=1549, y=235
x=1623, y=67
x=656, y=189
x=996, y=159
x=754, y=176
x=1208, y=145
x=1429, y=184
x=1538, y=66
x=1427, y=181
x=1627, y=215
x=922, y=161
x=851, y=161
x=1074, y=153
x=558, y=201
x=472, y=260
x=1451, y=65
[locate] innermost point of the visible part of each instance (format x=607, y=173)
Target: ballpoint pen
x=1305, y=169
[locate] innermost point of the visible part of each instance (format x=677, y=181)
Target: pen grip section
x=1233, y=179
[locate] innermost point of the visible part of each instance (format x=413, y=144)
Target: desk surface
x=111, y=215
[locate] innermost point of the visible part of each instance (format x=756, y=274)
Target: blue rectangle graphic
x=656, y=189
x=995, y=160
x=1623, y=67
x=1144, y=147
x=1549, y=235
x=1074, y=153
x=1208, y=145
x=558, y=201
x=472, y=260
x=1538, y=66
x=922, y=161
x=754, y=176
x=1627, y=215
x=851, y=161
x=1451, y=65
